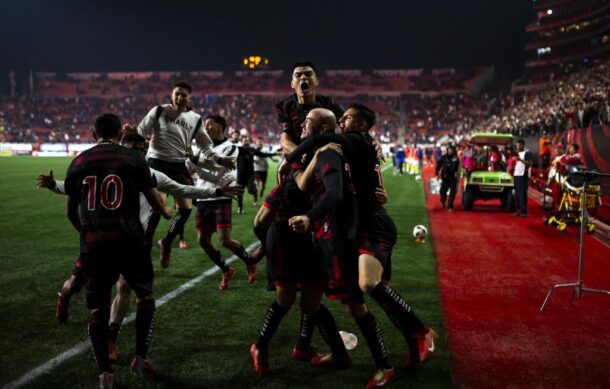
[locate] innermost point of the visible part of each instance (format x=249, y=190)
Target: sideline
x=85, y=344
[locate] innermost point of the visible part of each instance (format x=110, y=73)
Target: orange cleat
x=226, y=276
x=381, y=378
x=260, y=360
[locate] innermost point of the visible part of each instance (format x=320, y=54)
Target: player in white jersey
x=172, y=128
x=214, y=213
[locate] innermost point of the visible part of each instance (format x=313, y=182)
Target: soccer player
x=377, y=231
x=245, y=170
x=291, y=112
x=214, y=213
x=334, y=221
x=172, y=128
x=261, y=168
x=294, y=263
x=123, y=292
x=106, y=181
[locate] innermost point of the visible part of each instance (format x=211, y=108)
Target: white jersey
x=261, y=164
x=211, y=175
x=171, y=138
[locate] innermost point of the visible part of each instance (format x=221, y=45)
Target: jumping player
x=172, y=128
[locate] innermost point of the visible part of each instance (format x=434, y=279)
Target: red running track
x=494, y=271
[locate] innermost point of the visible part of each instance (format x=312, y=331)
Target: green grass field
x=202, y=337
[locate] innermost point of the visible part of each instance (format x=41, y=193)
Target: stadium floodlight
x=549, y=11
x=255, y=62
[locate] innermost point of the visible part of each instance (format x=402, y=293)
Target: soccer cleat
x=226, y=276
x=251, y=273
x=142, y=367
x=240, y=211
x=425, y=344
x=300, y=355
x=381, y=378
x=259, y=360
x=61, y=308
x=164, y=253
x=183, y=245
x=112, y=351
x=107, y=380
x=324, y=360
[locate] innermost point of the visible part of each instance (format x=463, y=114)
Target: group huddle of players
x=323, y=228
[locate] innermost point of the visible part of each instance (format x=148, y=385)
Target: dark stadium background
x=214, y=35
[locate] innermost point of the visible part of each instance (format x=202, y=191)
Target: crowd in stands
x=64, y=108
x=579, y=100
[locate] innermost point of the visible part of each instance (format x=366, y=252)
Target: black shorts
x=213, y=215
x=247, y=181
x=260, y=176
x=102, y=265
x=177, y=171
x=377, y=238
x=340, y=262
x=292, y=257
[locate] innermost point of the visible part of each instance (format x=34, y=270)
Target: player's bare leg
x=118, y=310
x=204, y=238
x=226, y=239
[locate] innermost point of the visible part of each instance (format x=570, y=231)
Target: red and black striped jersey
x=107, y=180
x=335, y=210
x=291, y=114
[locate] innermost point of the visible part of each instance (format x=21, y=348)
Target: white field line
x=85, y=344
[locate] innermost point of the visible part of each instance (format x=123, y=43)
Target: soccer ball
x=420, y=232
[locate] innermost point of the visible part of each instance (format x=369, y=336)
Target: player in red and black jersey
x=377, y=238
x=294, y=265
x=333, y=220
x=377, y=231
x=105, y=181
x=291, y=112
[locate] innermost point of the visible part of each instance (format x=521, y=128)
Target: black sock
x=151, y=226
x=113, y=331
x=272, y=320
x=240, y=201
x=374, y=339
x=329, y=331
x=397, y=309
x=98, y=334
x=217, y=259
x=306, y=328
x=242, y=254
x=177, y=225
x=145, y=321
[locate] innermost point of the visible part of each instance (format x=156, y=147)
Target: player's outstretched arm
x=49, y=182
x=156, y=203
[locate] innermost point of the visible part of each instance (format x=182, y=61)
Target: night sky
x=128, y=35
